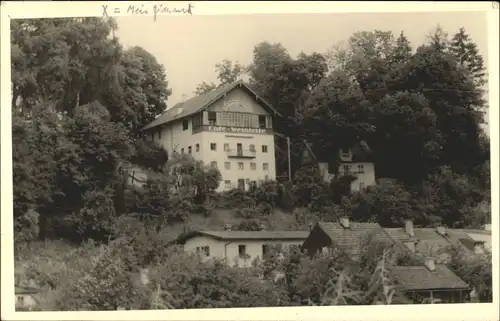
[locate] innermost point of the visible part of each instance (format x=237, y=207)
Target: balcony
x=241, y=153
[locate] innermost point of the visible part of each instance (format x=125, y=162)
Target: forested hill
x=79, y=99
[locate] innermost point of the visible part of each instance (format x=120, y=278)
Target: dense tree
x=227, y=73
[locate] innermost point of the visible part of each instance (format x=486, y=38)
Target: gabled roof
x=350, y=240
x=419, y=278
x=200, y=102
x=361, y=153
x=246, y=235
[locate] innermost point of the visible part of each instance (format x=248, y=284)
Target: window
x=262, y=121
x=264, y=148
x=239, y=149
x=253, y=166
x=227, y=184
x=205, y=250
x=159, y=133
x=213, y=164
x=182, y=150
x=242, y=250
x=265, y=249
x=266, y=178
x=189, y=149
x=346, y=169
x=361, y=168
x=213, y=146
x=197, y=147
x=252, y=148
x=212, y=118
x=361, y=186
x=265, y=166
x=227, y=165
x=226, y=147
x=240, y=166
x=185, y=124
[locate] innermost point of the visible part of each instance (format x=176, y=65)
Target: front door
x=241, y=184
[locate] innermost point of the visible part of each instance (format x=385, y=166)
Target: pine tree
x=467, y=55
x=402, y=51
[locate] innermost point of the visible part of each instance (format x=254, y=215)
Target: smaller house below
x=240, y=248
x=431, y=283
x=357, y=162
x=348, y=237
x=26, y=298
x=436, y=242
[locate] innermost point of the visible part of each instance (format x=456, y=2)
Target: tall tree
x=467, y=55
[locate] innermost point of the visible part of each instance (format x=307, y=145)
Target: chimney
x=430, y=263
x=409, y=227
x=227, y=227
x=344, y=221
x=441, y=230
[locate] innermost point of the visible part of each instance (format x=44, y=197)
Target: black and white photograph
x=163, y=159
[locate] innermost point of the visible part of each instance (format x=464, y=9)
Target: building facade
x=230, y=128
x=357, y=162
x=240, y=248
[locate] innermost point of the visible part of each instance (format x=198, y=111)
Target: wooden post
x=289, y=160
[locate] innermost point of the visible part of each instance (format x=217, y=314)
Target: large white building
x=230, y=128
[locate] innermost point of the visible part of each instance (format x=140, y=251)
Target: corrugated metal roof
x=421, y=278
x=247, y=235
x=198, y=103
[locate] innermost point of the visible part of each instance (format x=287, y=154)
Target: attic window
x=262, y=121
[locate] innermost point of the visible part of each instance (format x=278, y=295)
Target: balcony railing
x=241, y=153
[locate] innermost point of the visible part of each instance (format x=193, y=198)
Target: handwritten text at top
x=136, y=10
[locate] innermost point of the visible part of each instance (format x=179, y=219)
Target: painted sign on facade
x=228, y=129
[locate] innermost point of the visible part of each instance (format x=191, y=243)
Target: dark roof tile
x=420, y=278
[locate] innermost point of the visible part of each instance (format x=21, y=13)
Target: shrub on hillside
x=185, y=282
x=475, y=271
x=106, y=286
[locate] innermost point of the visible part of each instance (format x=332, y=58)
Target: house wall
x=228, y=249
x=367, y=178
x=25, y=301
x=482, y=237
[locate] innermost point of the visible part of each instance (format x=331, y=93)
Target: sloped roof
x=473, y=231
x=26, y=290
x=200, y=102
x=418, y=278
x=361, y=152
x=351, y=239
x=429, y=238
x=246, y=235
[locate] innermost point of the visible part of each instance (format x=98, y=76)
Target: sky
x=190, y=46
